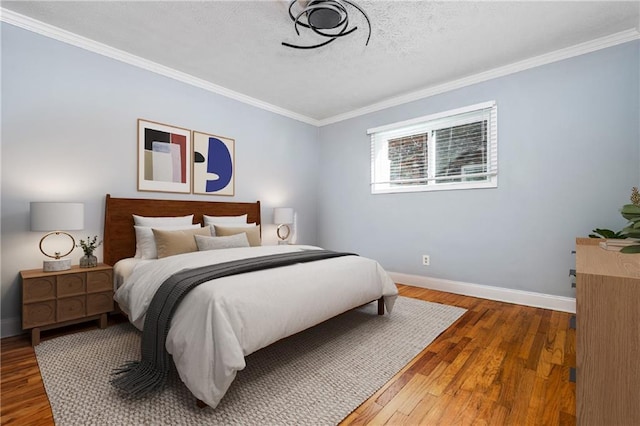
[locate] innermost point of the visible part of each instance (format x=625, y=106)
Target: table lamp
x=283, y=216
x=56, y=218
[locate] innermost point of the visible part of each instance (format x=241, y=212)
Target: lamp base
x=56, y=265
x=283, y=231
x=283, y=242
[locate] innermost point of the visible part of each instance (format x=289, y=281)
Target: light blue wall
x=69, y=133
x=569, y=152
x=568, y=149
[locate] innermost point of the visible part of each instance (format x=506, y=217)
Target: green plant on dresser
x=607, y=233
x=631, y=212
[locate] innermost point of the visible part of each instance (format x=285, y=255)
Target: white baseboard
x=520, y=297
x=10, y=327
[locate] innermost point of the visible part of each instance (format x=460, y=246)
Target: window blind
x=454, y=148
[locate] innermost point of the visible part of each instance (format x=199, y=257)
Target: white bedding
x=221, y=321
x=123, y=268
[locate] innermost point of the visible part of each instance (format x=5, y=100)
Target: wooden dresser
x=56, y=299
x=608, y=336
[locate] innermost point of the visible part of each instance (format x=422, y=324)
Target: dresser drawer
x=36, y=289
x=71, y=308
x=98, y=303
x=98, y=281
x=38, y=313
x=70, y=285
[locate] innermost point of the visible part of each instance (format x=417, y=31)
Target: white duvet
x=221, y=321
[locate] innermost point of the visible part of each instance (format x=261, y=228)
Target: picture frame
x=164, y=157
x=213, y=164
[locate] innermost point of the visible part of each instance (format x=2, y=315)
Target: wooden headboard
x=120, y=237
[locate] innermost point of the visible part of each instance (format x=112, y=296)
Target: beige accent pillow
x=229, y=225
x=170, y=243
x=146, y=243
x=253, y=234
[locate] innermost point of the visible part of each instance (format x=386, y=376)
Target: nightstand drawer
x=70, y=285
x=71, y=308
x=98, y=281
x=98, y=303
x=38, y=313
x=37, y=289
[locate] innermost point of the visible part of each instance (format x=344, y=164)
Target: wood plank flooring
x=499, y=364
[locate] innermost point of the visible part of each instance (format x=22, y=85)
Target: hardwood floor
x=499, y=364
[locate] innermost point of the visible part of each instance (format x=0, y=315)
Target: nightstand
x=56, y=299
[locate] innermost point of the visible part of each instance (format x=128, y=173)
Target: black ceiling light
x=328, y=18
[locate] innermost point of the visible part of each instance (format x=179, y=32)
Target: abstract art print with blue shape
x=213, y=164
x=164, y=157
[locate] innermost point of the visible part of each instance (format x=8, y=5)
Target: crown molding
x=73, y=39
x=68, y=37
x=547, y=58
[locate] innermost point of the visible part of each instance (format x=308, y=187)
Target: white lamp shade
x=47, y=216
x=282, y=215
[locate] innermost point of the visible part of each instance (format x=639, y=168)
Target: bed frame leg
x=200, y=404
x=381, y=306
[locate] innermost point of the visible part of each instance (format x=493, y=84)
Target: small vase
x=88, y=261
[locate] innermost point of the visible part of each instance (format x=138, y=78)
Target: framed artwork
x=213, y=164
x=164, y=157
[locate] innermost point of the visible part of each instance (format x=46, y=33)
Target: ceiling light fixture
x=328, y=18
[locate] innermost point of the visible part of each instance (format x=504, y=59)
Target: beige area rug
x=315, y=377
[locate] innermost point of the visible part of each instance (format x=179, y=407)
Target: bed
x=221, y=321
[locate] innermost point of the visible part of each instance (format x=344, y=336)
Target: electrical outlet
x=426, y=261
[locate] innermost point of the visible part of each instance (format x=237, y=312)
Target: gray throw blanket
x=137, y=378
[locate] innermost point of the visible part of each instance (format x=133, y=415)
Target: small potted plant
x=88, y=246
x=631, y=212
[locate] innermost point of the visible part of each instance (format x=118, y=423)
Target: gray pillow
x=215, y=243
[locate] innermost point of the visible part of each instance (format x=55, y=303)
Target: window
x=455, y=149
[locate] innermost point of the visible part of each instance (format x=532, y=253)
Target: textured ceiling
x=414, y=45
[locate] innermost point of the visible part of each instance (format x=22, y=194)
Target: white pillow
x=162, y=221
x=146, y=243
x=215, y=243
x=219, y=220
x=230, y=225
